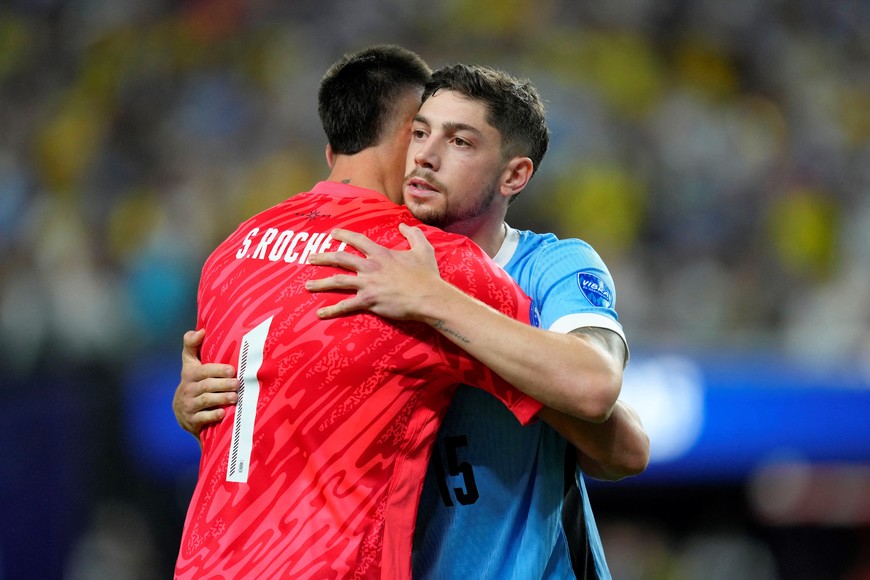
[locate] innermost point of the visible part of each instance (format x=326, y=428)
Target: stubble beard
x=446, y=216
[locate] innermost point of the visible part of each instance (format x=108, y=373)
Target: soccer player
x=317, y=470
x=611, y=450
x=494, y=490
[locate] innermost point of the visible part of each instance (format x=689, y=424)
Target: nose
x=427, y=157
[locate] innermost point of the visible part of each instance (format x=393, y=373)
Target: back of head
x=358, y=96
x=513, y=106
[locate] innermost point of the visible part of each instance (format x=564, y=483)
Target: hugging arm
x=615, y=448
x=612, y=450
x=577, y=376
x=204, y=389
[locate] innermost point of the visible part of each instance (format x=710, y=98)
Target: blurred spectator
x=729, y=148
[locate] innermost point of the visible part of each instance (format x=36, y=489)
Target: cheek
x=409, y=160
x=472, y=176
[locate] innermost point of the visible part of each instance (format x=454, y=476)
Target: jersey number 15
x=455, y=468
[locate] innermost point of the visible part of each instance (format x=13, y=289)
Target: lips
x=419, y=187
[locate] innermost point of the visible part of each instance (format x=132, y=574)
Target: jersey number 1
x=250, y=361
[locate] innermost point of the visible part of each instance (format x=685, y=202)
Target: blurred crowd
x=717, y=154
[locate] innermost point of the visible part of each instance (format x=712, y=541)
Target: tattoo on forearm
x=443, y=328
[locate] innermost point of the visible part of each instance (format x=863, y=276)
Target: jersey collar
x=338, y=189
x=508, y=246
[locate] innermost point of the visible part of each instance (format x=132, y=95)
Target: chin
x=425, y=215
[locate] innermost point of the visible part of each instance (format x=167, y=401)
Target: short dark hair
x=359, y=94
x=513, y=106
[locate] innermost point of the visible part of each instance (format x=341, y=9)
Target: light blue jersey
x=494, y=492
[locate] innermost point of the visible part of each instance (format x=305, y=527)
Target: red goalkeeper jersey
x=317, y=471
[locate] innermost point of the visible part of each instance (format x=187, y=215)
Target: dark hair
x=359, y=94
x=513, y=106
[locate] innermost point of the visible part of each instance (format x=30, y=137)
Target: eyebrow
x=451, y=127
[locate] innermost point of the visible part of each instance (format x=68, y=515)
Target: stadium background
x=717, y=154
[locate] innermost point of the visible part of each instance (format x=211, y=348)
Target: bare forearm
x=566, y=372
x=612, y=450
x=580, y=374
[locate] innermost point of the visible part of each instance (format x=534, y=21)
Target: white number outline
x=250, y=361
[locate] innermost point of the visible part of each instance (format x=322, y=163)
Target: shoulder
x=550, y=244
x=547, y=251
x=465, y=265
x=459, y=255
x=454, y=249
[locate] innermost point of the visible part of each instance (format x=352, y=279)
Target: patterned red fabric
x=341, y=414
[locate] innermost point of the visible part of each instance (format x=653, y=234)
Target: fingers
x=197, y=380
x=355, y=239
x=195, y=423
x=418, y=241
x=193, y=371
x=343, y=307
x=414, y=235
x=344, y=260
x=204, y=389
x=194, y=406
x=193, y=338
x=211, y=400
x=197, y=404
x=203, y=418
x=193, y=388
x=215, y=371
x=337, y=282
x=369, y=248
x=212, y=384
x=192, y=341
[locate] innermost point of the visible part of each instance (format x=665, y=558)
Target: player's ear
x=516, y=175
x=329, y=158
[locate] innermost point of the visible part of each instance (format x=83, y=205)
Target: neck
x=362, y=169
x=488, y=232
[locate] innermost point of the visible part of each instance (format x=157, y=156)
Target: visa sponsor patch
x=595, y=290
